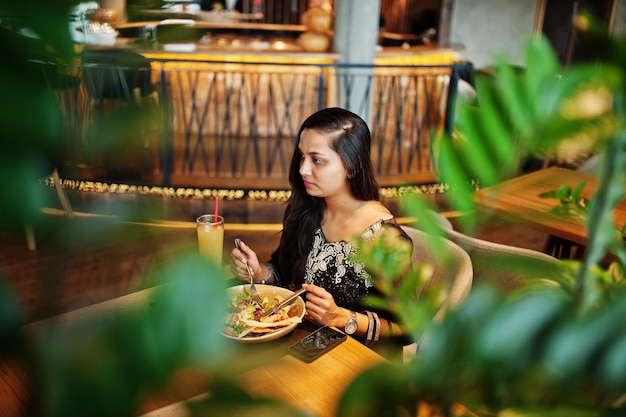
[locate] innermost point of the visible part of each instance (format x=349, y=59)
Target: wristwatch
x=351, y=326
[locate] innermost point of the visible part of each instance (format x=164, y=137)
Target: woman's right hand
x=238, y=263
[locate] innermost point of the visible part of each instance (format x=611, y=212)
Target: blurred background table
x=517, y=200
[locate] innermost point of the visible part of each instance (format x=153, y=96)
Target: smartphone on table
x=316, y=344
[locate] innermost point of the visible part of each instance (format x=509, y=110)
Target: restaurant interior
x=127, y=120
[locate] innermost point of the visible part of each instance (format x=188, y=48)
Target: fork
x=253, y=292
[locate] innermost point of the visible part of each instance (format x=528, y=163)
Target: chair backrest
x=592, y=165
x=453, y=267
x=502, y=265
x=115, y=73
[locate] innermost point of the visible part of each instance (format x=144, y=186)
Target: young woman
x=334, y=202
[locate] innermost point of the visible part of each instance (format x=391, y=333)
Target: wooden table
x=518, y=200
x=315, y=387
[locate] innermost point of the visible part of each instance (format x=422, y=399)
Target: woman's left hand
x=321, y=307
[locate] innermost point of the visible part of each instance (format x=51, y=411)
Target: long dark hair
x=351, y=139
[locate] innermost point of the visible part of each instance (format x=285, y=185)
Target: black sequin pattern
x=330, y=266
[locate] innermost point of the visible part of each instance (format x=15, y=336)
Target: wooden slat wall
x=287, y=12
x=400, y=15
x=397, y=13
x=397, y=16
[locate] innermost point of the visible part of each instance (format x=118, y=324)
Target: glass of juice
x=211, y=237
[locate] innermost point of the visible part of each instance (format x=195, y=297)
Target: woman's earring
x=349, y=176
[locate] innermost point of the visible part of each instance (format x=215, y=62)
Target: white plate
x=269, y=291
x=100, y=38
x=179, y=47
x=184, y=22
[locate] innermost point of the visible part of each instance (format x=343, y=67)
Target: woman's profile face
x=321, y=168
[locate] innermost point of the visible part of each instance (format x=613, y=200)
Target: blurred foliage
x=556, y=346
x=30, y=120
x=110, y=361
x=498, y=356
x=529, y=112
x=105, y=364
x=550, y=350
x=389, y=259
x=573, y=205
x=525, y=113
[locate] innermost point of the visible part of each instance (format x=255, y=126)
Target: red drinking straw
x=217, y=204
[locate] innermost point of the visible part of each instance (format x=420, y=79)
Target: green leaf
x=570, y=211
x=453, y=172
x=543, y=64
x=564, y=192
x=517, y=106
x=613, y=363
x=507, y=339
x=573, y=349
x=576, y=193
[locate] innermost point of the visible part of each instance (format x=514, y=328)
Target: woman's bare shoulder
x=365, y=218
x=371, y=213
x=375, y=210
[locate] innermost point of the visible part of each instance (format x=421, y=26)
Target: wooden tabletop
x=518, y=200
x=315, y=387
x=263, y=369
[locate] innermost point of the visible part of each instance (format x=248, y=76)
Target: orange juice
x=211, y=237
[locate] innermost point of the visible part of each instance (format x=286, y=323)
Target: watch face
x=350, y=327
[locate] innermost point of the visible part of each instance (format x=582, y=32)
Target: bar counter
x=226, y=25
x=281, y=51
